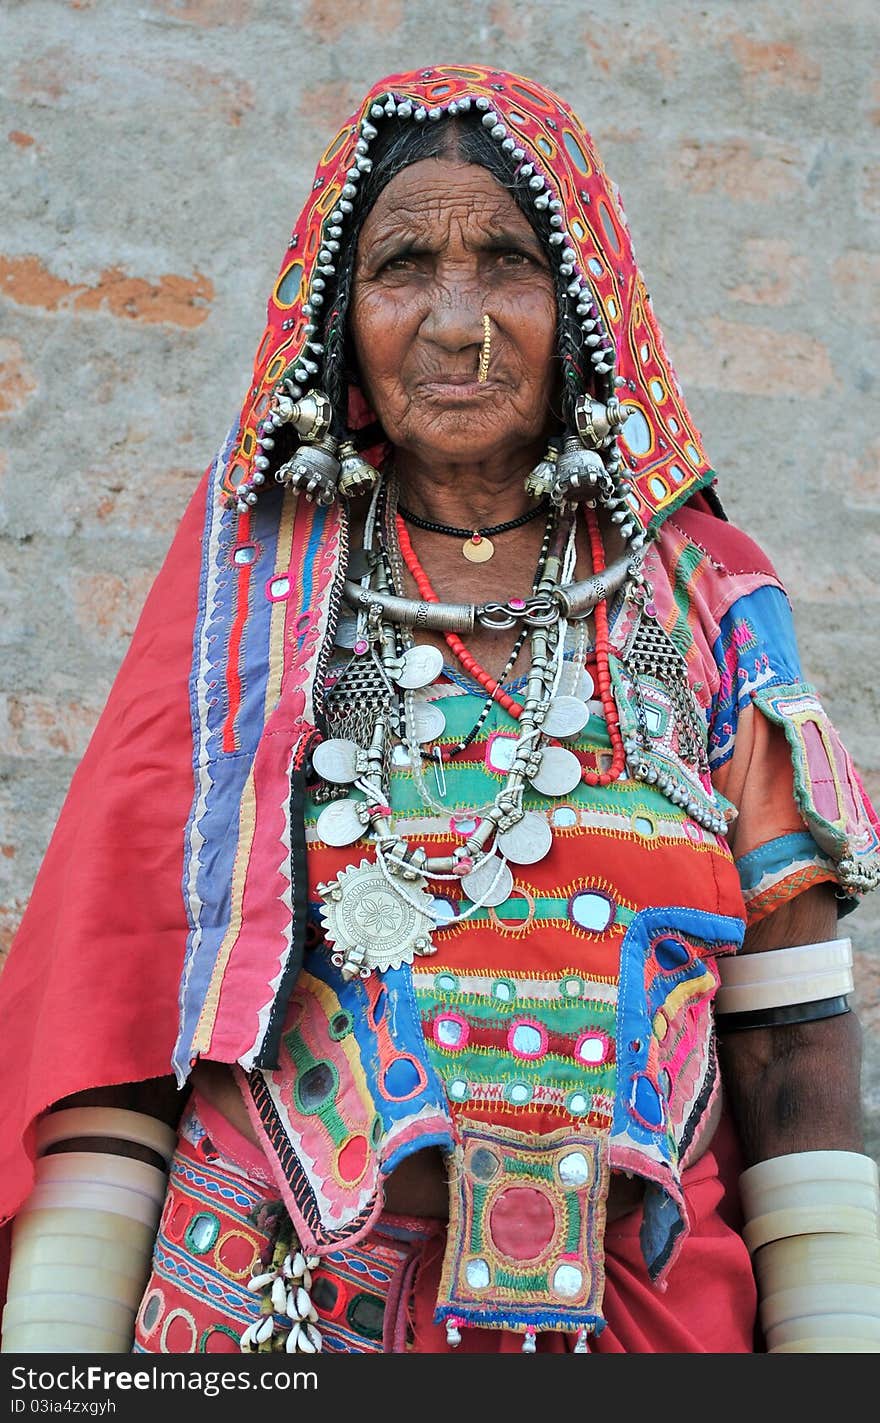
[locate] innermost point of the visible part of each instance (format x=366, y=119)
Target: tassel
x=453, y=1331
x=530, y=1342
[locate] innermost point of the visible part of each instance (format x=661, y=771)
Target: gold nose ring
x=483, y=371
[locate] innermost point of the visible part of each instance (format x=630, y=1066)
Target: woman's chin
x=460, y=432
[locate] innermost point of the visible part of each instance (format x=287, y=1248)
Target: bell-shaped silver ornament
x=356, y=476
x=597, y=422
x=542, y=478
x=310, y=416
x=313, y=469
x=580, y=473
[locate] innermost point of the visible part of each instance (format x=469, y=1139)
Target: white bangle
x=738, y=969
x=51, y=1308
x=133, y=1205
x=36, y=1250
x=42, y=1338
x=776, y=978
x=817, y=1260
x=115, y=1122
x=28, y=1278
x=102, y=1227
x=102, y=1168
x=809, y=1166
x=849, y=1345
x=814, y=1194
x=829, y=1219
x=804, y=1300
x=825, y=1327
x=782, y=992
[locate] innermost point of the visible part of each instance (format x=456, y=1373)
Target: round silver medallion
x=526, y=842
x=566, y=716
x=428, y=721
x=587, y=688
x=558, y=773
x=339, y=823
x=489, y=884
x=369, y=926
x=421, y=666
x=336, y=760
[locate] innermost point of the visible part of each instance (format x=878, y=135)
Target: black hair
x=398, y=144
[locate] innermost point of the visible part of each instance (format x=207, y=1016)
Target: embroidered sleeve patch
x=828, y=791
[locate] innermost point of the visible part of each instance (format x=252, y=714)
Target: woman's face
x=444, y=244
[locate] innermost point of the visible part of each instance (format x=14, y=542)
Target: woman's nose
x=454, y=319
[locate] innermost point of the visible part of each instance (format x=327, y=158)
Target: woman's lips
x=456, y=387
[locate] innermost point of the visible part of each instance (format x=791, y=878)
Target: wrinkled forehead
x=433, y=199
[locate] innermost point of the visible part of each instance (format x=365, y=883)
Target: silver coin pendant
x=336, y=760
x=558, y=773
x=566, y=716
x=339, y=823
x=422, y=665
x=490, y=883
x=526, y=842
x=428, y=721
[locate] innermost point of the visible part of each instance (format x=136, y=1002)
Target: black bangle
x=789, y=1013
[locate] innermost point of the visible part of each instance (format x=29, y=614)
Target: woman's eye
x=402, y=262
x=513, y=258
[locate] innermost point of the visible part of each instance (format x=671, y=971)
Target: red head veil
x=168, y=908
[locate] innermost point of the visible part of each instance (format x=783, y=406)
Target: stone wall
x=154, y=154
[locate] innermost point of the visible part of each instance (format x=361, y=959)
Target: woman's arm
x=83, y=1239
x=809, y=1194
x=796, y=1087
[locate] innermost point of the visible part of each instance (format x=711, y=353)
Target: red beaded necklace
x=603, y=674
x=454, y=642
x=496, y=691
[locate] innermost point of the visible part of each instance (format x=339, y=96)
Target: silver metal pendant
x=339, y=823
x=369, y=925
x=421, y=666
x=428, y=721
x=558, y=773
x=526, y=842
x=490, y=884
x=587, y=689
x=336, y=760
x=566, y=716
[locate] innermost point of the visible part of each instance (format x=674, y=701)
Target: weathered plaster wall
x=153, y=155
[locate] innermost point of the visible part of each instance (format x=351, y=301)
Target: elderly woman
x=458, y=826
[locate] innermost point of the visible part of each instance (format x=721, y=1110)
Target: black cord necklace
x=478, y=546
